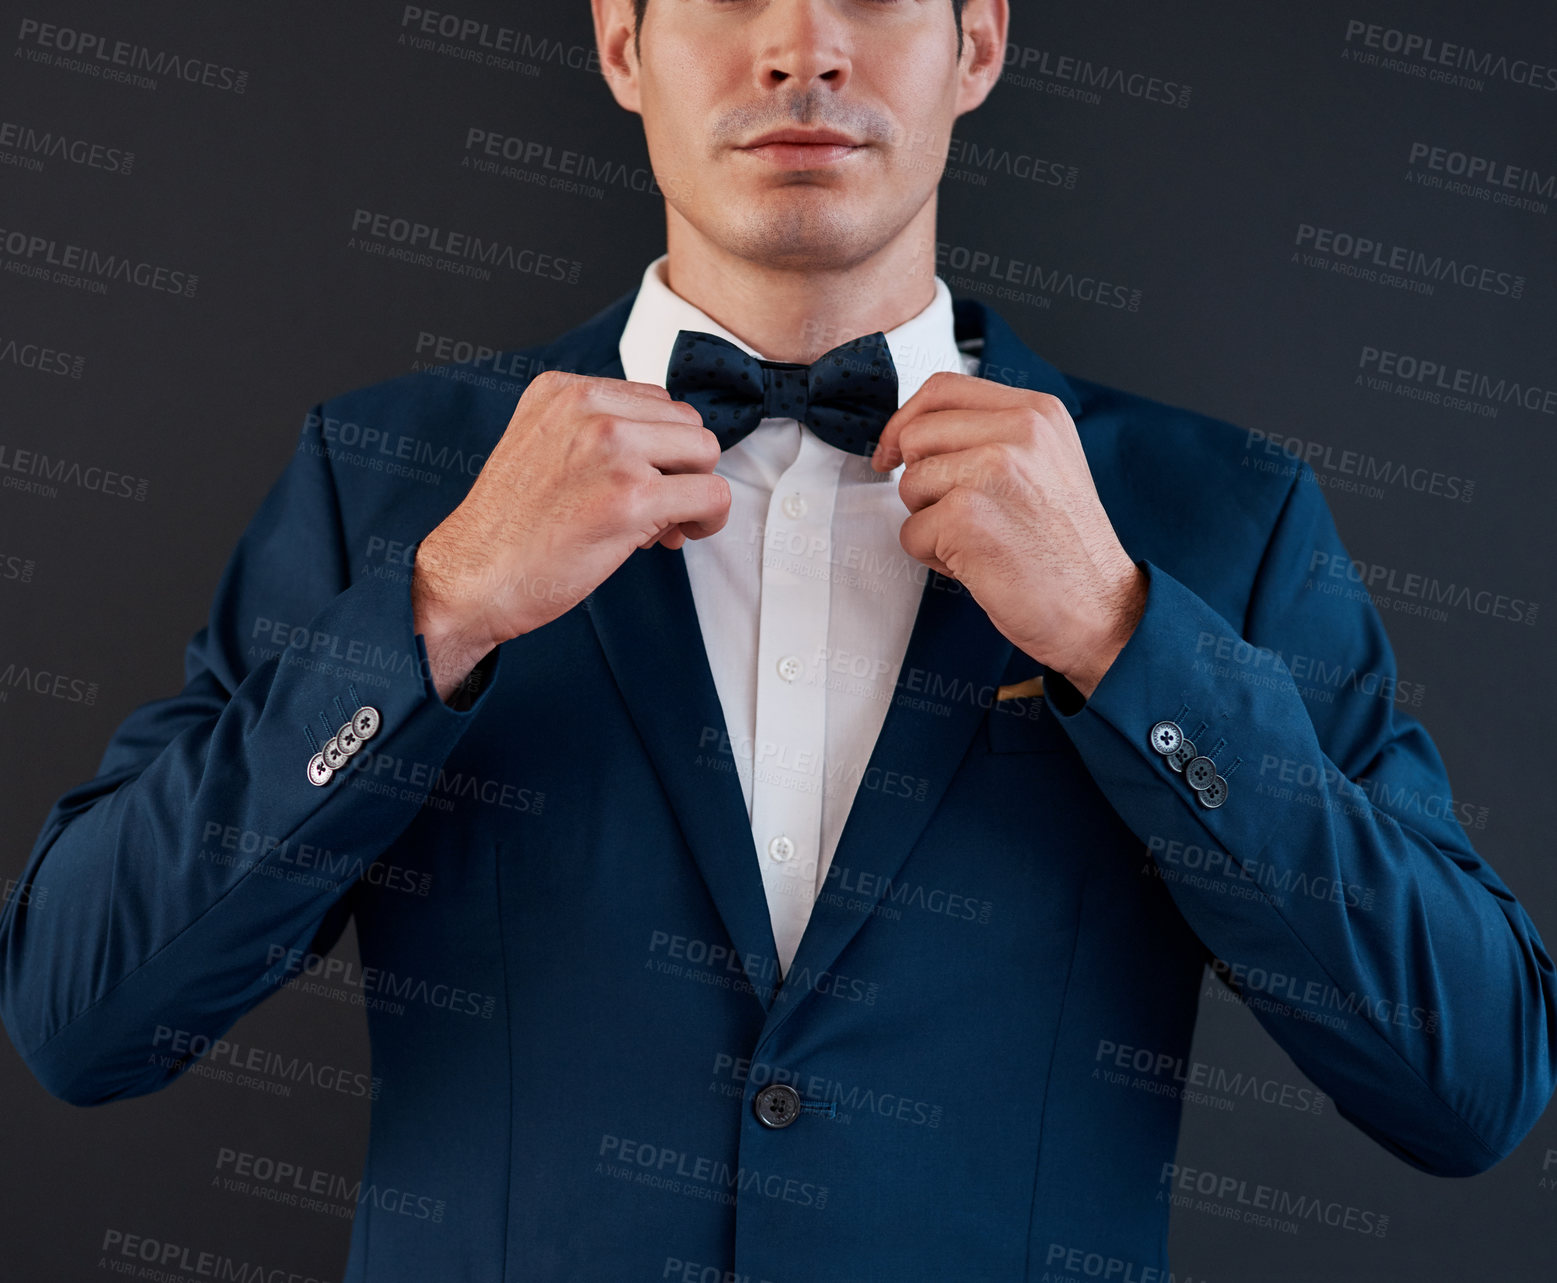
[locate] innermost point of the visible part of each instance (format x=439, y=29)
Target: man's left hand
x=1000, y=498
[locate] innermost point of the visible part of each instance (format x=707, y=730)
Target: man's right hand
x=588, y=470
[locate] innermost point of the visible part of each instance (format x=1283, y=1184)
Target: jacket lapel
x=647, y=623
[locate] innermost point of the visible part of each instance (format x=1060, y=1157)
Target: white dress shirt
x=805, y=601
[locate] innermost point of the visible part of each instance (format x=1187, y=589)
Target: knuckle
x=1047, y=405
x=965, y=498
x=551, y=382
x=622, y=472
x=605, y=433
x=1034, y=423
x=1007, y=454
x=632, y=500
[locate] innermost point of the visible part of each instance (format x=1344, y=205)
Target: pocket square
x=1021, y=690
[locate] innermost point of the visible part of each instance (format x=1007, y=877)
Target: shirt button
x=347, y=740
x=365, y=721
x=777, y=1105
x=1182, y=756
x=790, y=668
x=318, y=771
x=781, y=848
x=794, y=506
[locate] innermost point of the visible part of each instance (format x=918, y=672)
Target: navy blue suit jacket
x=566, y=959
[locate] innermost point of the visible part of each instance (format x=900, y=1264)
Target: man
x=1005, y=695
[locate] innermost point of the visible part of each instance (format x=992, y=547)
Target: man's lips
x=802, y=151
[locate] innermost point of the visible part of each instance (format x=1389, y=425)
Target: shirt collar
x=920, y=346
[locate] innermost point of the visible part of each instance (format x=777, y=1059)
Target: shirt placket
x=790, y=736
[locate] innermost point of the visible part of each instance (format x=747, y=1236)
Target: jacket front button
x=777, y=1105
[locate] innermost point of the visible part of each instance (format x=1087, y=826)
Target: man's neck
x=794, y=314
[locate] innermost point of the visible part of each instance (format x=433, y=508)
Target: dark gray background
x=1196, y=207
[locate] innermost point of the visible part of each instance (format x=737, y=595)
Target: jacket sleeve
x=1335, y=886
x=164, y=891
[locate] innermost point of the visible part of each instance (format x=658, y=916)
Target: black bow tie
x=845, y=396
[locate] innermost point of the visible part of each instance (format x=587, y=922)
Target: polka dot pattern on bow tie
x=845, y=396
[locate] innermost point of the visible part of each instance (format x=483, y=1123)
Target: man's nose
x=805, y=41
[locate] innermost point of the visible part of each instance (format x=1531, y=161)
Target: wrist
x=454, y=638
x=1115, y=623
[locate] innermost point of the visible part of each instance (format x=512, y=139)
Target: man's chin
x=815, y=240
x=805, y=256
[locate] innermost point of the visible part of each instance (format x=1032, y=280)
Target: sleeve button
x=1214, y=794
x=1166, y=737
x=1200, y=773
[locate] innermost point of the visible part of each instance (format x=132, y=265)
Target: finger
x=634, y=401
x=604, y=384
x=918, y=537
x=698, y=502
x=697, y=530
x=941, y=391
x=648, y=389
x=986, y=469
x=947, y=390
x=673, y=446
x=942, y=431
x=672, y=537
